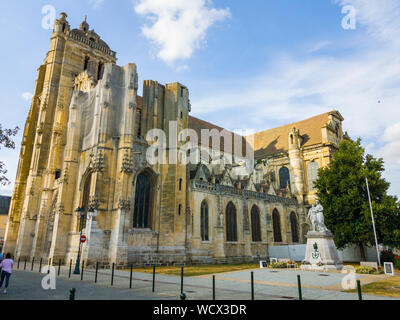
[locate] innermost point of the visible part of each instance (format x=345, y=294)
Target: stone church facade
x=84, y=146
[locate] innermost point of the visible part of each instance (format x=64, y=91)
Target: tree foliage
x=343, y=192
x=6, y=141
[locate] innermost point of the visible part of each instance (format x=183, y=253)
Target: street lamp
x=81, y=211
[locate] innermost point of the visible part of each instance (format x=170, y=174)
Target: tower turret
x=61, y=25
x=296, y=163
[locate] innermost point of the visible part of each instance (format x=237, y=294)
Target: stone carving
x=99, y=162
x=124, y=204
x=316, y=216
x=94, y=202
x=127, y=163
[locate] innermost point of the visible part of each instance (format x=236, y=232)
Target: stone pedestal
x=321, y=252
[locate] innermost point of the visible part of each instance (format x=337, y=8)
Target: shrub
x=397, y=262
x=387, y=256
x=366, y=270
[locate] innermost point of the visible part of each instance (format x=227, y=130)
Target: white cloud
x=178, y=27
x=363, y=86
x=96, y=3
x=27, y=96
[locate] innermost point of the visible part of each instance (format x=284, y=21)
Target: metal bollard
x=83, y=267
x=252, y=286
x=182, y=280
x=97, y=269
x=59, y=267
x=25, y=264
x=359, y=290
x=40, y=265
x=130, y=278
x=70, y=266
x=33, y=263
x=154, y=277
x=49, y=264
x=18, y=263
x=112, y=274
x=213, y=283
x=299, y=287
x=72, y=294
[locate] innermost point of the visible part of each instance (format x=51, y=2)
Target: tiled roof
x=197, y=125
x=277, y=140
x=271, y=141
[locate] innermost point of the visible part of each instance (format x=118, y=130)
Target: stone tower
x=296, y=164
x=72, y=53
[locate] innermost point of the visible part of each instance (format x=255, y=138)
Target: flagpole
x=373, y=223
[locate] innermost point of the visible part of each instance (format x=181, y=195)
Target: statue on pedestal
x=321, y=252
x=316, y=216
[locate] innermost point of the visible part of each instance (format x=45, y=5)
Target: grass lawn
x=388, y=287
x=191, y=271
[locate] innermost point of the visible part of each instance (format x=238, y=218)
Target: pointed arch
x=231, y=223
x=294, y=227
x=276, y=220
x=142, y=209
x=204, y=221
x=255, y=224
x=284, y=177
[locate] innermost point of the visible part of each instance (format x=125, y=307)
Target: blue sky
x=248, y=64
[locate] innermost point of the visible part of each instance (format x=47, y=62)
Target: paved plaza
x=269, y=285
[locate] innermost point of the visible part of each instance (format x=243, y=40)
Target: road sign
x=83, y=239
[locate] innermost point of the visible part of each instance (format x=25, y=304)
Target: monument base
x=321, y=252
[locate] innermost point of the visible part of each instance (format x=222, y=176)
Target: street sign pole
x=373, y=223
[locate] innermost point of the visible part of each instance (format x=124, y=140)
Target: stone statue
x=316, y=216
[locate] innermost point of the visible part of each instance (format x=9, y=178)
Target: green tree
x=343, y=192
x=7, y=142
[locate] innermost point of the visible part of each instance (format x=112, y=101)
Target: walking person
x=1, y=259
x=6, y=265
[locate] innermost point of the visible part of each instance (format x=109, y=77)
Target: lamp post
x=81, y=211
x=373, y=223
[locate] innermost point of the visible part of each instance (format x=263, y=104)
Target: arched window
x=312, y=173
x=142, y=210
x=294, y=227
x=255, y=224
x=284, y=178
x=276, y=220
x=86, y=65
x=231, y=223
x=204, y=221
x=85, y=199
x=179, y=210
x=180, y=184
x=100, y=71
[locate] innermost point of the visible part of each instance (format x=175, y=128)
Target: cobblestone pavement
x=269, y=285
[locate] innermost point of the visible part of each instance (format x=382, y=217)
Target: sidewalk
x=269, y=285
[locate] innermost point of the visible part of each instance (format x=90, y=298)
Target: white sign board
x=263, y=264
x=389, y=268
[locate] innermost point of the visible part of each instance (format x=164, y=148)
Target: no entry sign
x=83, y=239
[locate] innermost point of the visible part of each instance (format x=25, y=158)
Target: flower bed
x=279, y=265
x=367, y=270
x=397, y=262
